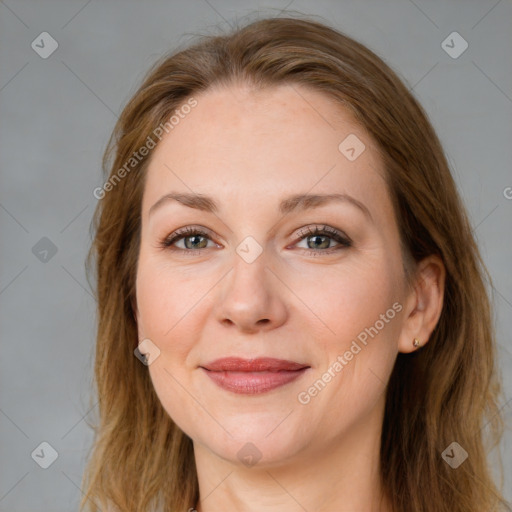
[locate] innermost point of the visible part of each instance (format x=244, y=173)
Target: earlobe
x=425, y=304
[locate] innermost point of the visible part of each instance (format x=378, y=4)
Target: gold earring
x=416, y=342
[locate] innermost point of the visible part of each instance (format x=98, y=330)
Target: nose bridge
x=248, y=283
x=249, y=299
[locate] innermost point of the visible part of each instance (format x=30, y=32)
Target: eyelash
x=343, y=241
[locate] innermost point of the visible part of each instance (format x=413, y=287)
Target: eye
x=193, y=239
x=319, y=239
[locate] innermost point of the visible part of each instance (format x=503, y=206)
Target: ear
x=424, y=303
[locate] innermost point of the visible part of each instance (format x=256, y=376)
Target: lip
x=253, y=376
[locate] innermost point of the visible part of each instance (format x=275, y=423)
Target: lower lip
x=251, y=383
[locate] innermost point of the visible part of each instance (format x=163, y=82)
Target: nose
x=251, y=298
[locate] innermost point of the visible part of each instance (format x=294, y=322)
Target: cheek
x=165, y=316
x=162, y=305
x=153, y=301
x=356, y=304
x=368, y=328
x=347, y=300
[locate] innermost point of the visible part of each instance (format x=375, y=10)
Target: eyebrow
x=297, y=202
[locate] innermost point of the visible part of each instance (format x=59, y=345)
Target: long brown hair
x=445, y=392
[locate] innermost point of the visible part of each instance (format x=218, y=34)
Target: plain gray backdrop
x=57, y=113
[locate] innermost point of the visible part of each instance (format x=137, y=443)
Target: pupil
x=193, y=245
x=325, y=239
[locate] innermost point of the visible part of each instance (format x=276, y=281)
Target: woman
x=281, y=245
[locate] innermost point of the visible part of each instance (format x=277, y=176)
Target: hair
x=446, y=391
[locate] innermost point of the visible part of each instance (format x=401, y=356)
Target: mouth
x=253, y=376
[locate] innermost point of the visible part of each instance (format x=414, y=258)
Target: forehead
x=245, y=143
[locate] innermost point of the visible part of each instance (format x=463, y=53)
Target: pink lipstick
x=252, y=376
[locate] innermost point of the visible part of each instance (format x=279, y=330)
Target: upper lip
x=260, y=364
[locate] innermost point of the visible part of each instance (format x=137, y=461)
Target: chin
x=260, y=454
x=254, y=443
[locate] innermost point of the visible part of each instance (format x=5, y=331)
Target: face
x=246, y=268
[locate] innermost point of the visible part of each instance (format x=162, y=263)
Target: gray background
x=57, y=114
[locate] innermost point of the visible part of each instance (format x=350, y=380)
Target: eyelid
x=311, y=230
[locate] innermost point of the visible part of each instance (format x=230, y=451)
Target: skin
x=249, y=150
